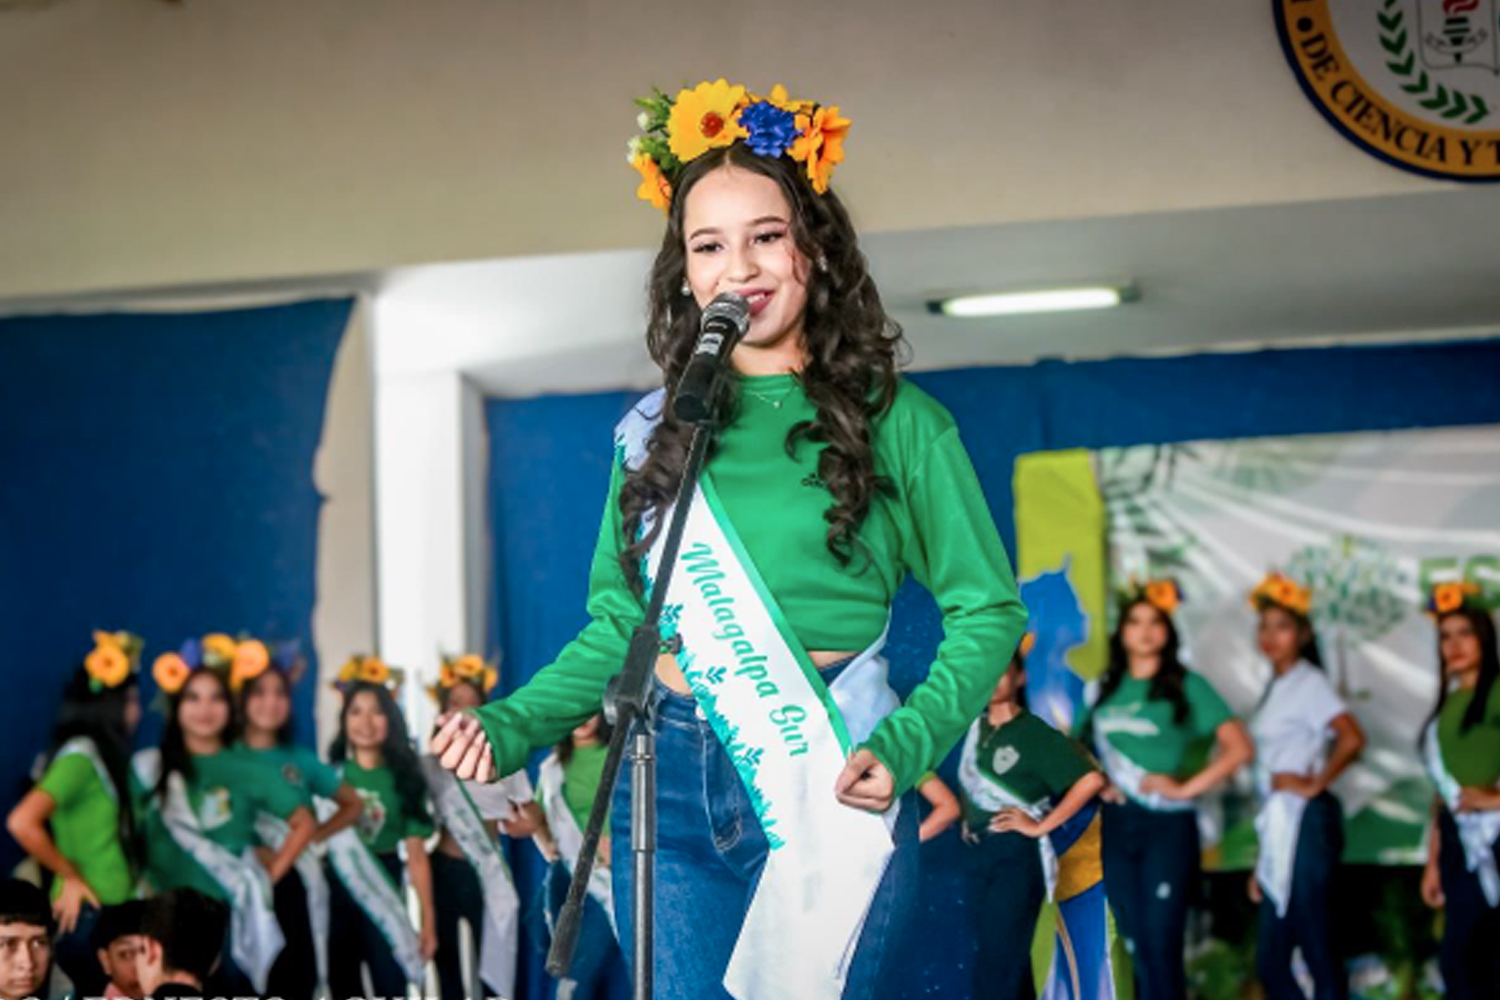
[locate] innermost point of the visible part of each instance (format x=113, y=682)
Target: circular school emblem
x=1414, y=82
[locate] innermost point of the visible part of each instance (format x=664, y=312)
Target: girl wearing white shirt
x=1300, y=824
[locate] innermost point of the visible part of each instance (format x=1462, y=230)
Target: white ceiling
x=1403, y=267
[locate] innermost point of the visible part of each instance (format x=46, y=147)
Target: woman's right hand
x=75, y=892
x=1253, y=890
x=1113, y=795
x=460, y=746
x=1432, y=887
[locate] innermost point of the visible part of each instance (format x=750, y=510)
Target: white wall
x=154, y=144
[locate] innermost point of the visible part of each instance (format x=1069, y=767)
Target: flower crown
x=1446, y=598
x=1164, y=595
x=468, y=669
x=361, y=669
x=1278, y=591
x=115, y=658
x=238, y=661
x=677, y=130
x=1027, y=644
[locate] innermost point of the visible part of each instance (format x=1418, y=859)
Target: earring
x=823, y=262
x=686, y=291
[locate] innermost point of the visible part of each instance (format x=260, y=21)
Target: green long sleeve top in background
x=935, y=524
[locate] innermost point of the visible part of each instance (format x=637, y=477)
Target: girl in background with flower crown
x=1148, y=712
x=1022, y=780
x=470, y=879
x=835, y=478
x=1300, y=825
x=203, y=800
x=263, y=683
x=1461, y=745
x=376, y=757
x=568, y=780
x=78, y=822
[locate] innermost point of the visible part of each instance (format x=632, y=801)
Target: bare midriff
x=670, y=674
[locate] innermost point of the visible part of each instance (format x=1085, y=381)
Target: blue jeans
x=1308, y=924
x=1006, y=888
x=1150, y=874
x=710, y=852
x=1468, y=955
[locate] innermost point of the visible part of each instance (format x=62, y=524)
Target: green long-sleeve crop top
x=933, y=523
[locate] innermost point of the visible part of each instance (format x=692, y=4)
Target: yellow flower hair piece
x=362, y=669
x=470, y=668
x=115, y=658
x=1278, y=591
x=251, y=659
x=171, y=673
x=1164, y=594
x=675, y=131
x=1454, y=595
x=1028, y=643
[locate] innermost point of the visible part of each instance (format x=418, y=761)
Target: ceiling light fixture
x=1041, y=300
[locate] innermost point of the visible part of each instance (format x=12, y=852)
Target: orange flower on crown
x=491, y=678
x=251, y=659
x=109, y=662
x=1163, y=595
x=470, y=667
x=655, y=187
x=373, y=670
x=821, y=144
x=1028, y=643
x=704, y=118
x=1449, y=597
x=170, y=671
x=1280, y=591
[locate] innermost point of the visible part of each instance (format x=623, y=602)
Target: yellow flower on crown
x=491, y=678
x=1280, y=591
x=704, y=118
x=655, y=187
x=112, y=660
x=1028, y=643
x=170, y=671
x=469, y=667
x=349, y=672
x=373, y=670
x=778, y=97
x=1163, y=595
x=219, y=648
x=1450, y=597
x=821, y=144
x=251, y=659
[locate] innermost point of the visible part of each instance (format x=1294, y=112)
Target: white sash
x=498, y=939
x=1124, y=773
x=1278, y=827
x=1477, y=831
x=273, y=832
x=371, y=888
x=255, y=936
x=992, y=796
x=84, y=746
x=569, y=838
x=788, y=735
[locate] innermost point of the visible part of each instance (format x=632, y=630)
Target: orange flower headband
x=677, y=130
x=238, y=660
x=1164, y=595
x=361, y=669
x=1277, y=591
x=1453, y=596
x=115, y=658
x=469, y=669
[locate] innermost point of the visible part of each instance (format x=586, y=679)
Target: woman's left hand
x=1013, y=819
x=1164, y=785
x=429, y=941
x=1477, y=798
x=865, y=783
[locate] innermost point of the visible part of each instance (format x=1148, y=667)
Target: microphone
x=724, y=322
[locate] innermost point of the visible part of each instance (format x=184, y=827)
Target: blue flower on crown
x=772, y=130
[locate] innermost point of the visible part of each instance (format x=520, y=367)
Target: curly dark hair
x=853, y=351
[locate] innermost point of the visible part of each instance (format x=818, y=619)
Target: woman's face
x=1458, y=644
x=1279, y=636
x=739, y=239
x=1011, y=683
x=588, y=732
x=365, y=723
x=463, y=695
x=269, y=705
x=1144, y=632
x=204, y=710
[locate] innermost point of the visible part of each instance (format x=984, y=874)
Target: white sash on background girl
x=498, y=939
x=255, y=936
x=569, y=838
x=992, y=795
x=788, y=735
x=371, y=888
x=1477, y=831
x=1124, y=773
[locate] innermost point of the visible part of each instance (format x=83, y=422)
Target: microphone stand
x=631, y=708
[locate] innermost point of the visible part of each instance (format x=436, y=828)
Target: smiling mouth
x=757, y=299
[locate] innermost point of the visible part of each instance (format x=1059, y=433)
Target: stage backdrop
x=157, y=477
x=550, y=470
x=1368, y=521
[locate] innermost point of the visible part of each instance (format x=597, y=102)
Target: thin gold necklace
x=775, y=402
